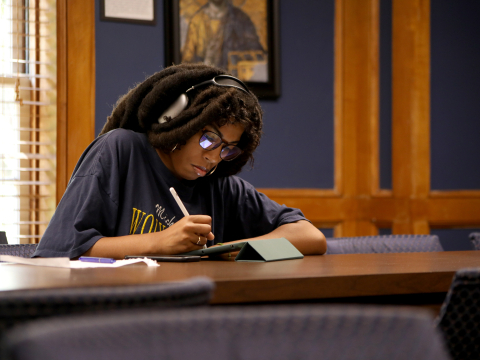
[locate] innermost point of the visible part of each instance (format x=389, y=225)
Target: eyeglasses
x=224, y=80
x=210, y=141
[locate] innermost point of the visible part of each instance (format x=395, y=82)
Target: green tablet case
x=268, y=250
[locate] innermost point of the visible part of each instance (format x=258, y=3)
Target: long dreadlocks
x=140, y=108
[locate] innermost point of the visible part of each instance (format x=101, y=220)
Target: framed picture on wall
x=240, y=36
x=131, y=11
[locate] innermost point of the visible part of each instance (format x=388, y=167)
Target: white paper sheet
x=64, y=262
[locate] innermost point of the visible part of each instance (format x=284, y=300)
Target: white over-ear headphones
x=182, y=101
x=176, y=108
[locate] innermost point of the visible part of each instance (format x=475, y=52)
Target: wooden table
x=338, y=278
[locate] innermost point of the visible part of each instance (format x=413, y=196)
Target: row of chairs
x=343, y=245
x=282, y=332
x=22, y=250
x=120, y=321
x=475, y=239
x=391, y=244
x=383, y=244
x=93, y=321
x=144, y=321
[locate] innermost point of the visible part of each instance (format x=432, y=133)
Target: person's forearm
x=189, y=233
x=302, y=234
x=120, y=246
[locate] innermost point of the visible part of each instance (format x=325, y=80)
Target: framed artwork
x=132, y=11
x=240, y=36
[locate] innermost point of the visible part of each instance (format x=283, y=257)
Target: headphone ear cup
x=175, y=109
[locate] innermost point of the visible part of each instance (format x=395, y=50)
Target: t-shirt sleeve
x=249, y=213
x=86, y=212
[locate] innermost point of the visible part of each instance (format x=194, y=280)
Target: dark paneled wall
x=385, y=52
x=297, y=148
x=455, y=239
x=125, y=55
x=455, y=94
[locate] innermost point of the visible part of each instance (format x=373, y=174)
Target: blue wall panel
x=455, y=94
x=454, y=239
x=125, y=55
x=385, y=94
x=297, y=147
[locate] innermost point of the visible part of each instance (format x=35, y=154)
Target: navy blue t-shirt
x=120, y=186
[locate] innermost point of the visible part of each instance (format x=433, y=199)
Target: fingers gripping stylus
x=181, y=206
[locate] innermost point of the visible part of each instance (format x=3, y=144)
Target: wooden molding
x=357, y=206
x=411, y=111
x=454, y=212
x=356, y=112
x=62, y=178
x=76, y=85
x=455, y=194
x=300, y=193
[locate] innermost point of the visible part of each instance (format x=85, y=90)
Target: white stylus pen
x=181, y=206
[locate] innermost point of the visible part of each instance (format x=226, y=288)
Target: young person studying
x=190, y=127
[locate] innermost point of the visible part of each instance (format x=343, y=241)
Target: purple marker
x=96, y=260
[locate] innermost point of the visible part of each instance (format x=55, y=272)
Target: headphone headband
x=223, y=80
x=182, y=101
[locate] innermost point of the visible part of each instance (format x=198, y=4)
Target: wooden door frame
x=75, y=85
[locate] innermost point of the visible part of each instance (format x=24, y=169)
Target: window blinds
x=27, y=117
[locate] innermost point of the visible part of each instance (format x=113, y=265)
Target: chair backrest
x=459, y=318
x=3, y=238
x=22, y=250
x=281, y=332
x=475, y=239
x=25, y=305
x=383, y=244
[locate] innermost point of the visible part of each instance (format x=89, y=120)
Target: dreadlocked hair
x=140, y=108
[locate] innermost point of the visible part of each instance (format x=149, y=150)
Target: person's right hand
x=188, y=234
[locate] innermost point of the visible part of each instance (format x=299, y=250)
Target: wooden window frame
x=32, y=78
x=75, y=85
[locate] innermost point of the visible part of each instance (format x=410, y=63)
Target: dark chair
x=475, y=239
x=277, y=332
x=22, y=250
x=383, y=244
x=24, y=305
x=3, y=238
x=459, y=318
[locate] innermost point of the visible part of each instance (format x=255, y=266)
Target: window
x=27, y=117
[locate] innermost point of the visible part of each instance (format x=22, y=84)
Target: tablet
x=167, y=258
x=217, y=250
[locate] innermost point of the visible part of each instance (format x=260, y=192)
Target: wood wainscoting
x=357, y=206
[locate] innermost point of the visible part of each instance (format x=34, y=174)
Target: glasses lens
x=210, y=140
x=230, y=152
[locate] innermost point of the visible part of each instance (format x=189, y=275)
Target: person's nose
x=213, y=156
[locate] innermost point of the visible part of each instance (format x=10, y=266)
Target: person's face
x=191, y=161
